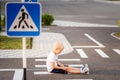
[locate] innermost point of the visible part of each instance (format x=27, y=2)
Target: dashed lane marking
x=82, y=53
x=101, y=53
x=117, y=51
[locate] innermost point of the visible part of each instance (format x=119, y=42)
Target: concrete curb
x=79, y=24
x=111, y=2
x=112, y=34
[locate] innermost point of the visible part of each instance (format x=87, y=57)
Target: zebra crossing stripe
x=82, y=53
x=39, y=72
x=59, y=59
x=72, y=65
x=117, y=51
x=80, y=65
x=101, y=53
x=40, y=66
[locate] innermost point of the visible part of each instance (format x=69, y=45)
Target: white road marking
x=18, y=75
x=7, y=69
x=40, y=59
x=95, y=41
x=40, y=66
x=117, y=51
x=72, y=65
x=87, y=47
x=82, y=53
x=101, y=53
x=39, y=72
x=59, y=59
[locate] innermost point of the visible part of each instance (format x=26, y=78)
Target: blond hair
x=58, y=45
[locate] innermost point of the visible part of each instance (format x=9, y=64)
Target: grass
x=12, y=43
x=117, y=34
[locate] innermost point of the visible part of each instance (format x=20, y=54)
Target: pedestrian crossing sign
x=31, y=0
x=23, y=19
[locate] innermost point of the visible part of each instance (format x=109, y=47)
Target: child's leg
x=78, y=70
x=74, y=70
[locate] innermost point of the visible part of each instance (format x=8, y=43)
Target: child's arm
x=58, y=67
x=59, y=63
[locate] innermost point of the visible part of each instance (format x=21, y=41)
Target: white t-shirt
x=51, y=58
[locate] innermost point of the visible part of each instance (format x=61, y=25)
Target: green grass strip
x=12, y=43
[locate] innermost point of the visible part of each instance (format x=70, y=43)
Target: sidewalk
x=42, y=45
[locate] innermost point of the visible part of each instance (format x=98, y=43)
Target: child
x=54, y=66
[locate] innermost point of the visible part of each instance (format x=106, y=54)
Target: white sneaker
x=87, y=72
x=85, y=69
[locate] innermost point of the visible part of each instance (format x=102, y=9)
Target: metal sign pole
x=15, y=28
x=24, y=56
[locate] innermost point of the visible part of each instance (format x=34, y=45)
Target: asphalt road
x=82, y=11
x=101, y=67
x=90, y=11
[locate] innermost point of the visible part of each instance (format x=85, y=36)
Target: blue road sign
x=23, y=19
x=31, y=0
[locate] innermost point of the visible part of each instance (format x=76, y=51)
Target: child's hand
x=69, y=68
x=65, y=68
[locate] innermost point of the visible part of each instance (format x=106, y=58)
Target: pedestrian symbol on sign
x=23, y=21
x=31, y=0
x=22, y=18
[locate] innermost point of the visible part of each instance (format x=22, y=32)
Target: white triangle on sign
x=23, y=22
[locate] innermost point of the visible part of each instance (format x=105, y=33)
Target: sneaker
x=87, y=72
x=85, y=69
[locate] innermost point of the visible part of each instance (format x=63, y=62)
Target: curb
x=112, y=34
x=111, y=2
x=79, y=24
